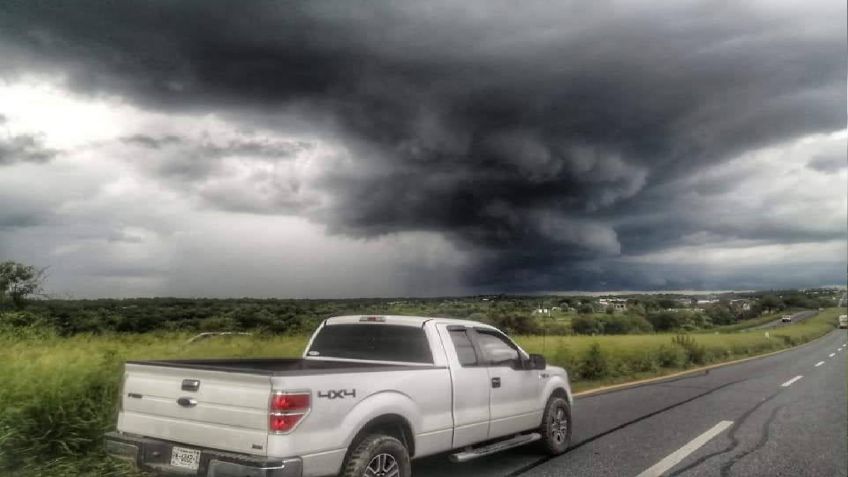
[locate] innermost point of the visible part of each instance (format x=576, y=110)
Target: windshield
x=376, y=342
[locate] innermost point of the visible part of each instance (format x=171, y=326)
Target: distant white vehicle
x=843, y=321
x=786, y=319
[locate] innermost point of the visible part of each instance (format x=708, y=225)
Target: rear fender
x=381, y=404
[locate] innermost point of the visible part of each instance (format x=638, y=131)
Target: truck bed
x=278, y=366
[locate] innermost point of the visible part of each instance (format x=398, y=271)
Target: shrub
x=219, y=323
x=587, y=325
x=671, y=356
x=646, y=362
x=625, y=324
x=666, y=320
x=565, y=358
x=515, y=324
x=610, y=324
x=556, y=328
x=695, y=353
x=594, y=364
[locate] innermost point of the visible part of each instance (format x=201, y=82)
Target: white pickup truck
x=370, y=394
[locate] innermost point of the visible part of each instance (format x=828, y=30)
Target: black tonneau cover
x=279, y=366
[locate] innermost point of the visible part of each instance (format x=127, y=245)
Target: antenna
x=544, y=332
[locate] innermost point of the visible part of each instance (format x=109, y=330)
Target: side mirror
x=537, y=361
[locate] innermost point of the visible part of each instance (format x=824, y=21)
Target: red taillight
x=286, y=410
x=284, y=422
x=290, y=402
x=373, y=319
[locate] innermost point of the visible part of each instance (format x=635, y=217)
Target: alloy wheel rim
x=559, y=426
x=382, y=465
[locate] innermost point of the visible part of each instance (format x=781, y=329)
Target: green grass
x=622, y=358
x=58, y=395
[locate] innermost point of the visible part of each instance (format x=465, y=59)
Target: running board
x=516, y=441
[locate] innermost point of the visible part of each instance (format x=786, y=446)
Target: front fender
x=558, y=380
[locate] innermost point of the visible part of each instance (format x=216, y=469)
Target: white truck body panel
x=421, y=396
x=232, y=409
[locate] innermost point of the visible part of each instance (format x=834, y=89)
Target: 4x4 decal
x=337, y=394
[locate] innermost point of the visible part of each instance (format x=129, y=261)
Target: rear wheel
x=378, y=455
x=556, y=426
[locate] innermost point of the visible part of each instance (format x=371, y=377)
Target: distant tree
x=585, y=309
x=720, y=315
x=19, y=282
x=586, y=325
x=666, y=320
x=770, y=303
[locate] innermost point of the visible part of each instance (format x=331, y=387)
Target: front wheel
x=378, y=455
x=556, y=426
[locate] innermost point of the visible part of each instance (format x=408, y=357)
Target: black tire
x=556, y=426
x=377, y=455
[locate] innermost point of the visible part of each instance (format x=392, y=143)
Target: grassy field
x=600, y=360
x=58, y=394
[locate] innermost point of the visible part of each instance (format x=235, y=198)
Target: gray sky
x=340, y=149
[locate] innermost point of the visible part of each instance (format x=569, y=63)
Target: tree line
x=22, y=304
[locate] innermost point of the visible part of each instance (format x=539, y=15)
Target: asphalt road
x=756, y=418
x=796, y=317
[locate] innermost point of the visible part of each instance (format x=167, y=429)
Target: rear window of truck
x=377, y=342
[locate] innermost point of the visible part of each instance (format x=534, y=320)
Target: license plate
x=185, y=458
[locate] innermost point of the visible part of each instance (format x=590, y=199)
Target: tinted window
x=378, y=342
x=464, y=348
x=496, y=350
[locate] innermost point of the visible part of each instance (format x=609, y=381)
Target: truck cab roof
x=416, y=321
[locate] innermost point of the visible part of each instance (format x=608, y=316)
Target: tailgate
x=228, y=411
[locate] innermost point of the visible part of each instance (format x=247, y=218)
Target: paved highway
x=797, y=317
x=784, y=414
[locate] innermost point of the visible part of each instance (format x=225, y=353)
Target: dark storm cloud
x=264, y=149
x=24, y=148
x=12, y=220
x=151, y=142
x=828, y=164
x=520, y=132
x=235, y=147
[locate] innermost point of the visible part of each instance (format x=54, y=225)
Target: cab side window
x=464, y=348
x=496, y=350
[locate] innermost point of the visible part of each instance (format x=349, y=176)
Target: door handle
x=496, y=382
x=187, y=402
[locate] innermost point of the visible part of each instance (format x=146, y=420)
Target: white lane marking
x=675, y=457
x=831, y=355
x=819, y=363
x=791, y=381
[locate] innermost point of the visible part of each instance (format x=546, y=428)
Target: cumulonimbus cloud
x=523, y=133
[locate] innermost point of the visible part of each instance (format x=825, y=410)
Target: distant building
x=616, y=304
